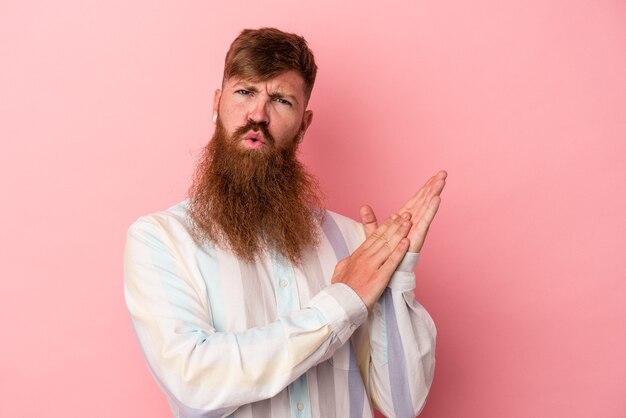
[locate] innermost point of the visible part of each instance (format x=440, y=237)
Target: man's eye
x=282, y=101
x=244, y=92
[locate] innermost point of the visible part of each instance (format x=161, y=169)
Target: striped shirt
x=228, y=338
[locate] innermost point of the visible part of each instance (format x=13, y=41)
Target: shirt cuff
x=404, y=277
x=342, y=307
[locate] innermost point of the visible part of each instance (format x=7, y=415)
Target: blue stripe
x=334, y=236
x=399, y=382
x=355, y=387
x=164, y=263
x=356, y=391
x=383, y=331
x=299, y=393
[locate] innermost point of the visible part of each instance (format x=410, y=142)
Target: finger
x=428, y=187
x=418, y=234
x=382, y=247
x=393, y=261
x=432, y=188
x=368, y=218
x=420, y=208
x=412, y=203
x=379, y=233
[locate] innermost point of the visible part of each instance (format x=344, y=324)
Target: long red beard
x=249, y=201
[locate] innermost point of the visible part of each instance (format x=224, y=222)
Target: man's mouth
x=254, y=139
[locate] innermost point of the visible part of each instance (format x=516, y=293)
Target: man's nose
x=259, y=112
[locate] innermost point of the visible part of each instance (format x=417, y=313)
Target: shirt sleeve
x=206, y=373
x=400, y=368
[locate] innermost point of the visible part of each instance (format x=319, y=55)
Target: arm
x=209, y=373
x=402, y=342
x=398, y=346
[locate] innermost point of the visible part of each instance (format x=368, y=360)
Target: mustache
x=256, y=127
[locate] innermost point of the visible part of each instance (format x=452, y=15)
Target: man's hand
x=422, y=207
x=369, y=268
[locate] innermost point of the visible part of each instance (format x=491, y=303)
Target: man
x=249, y=300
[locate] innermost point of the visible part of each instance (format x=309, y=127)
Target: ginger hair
x=262, y=54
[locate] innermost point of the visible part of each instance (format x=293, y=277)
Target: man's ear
x=216, y=104
x=306, y=121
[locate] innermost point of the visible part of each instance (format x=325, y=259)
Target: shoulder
x=335, y=225
x=173, y=221
x=341, y=220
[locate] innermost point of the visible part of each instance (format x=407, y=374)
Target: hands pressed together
x=370, y=267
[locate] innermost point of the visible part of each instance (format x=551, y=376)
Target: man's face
x=250, y=191
x=279, y=103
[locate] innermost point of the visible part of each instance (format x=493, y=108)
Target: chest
x=240, y=295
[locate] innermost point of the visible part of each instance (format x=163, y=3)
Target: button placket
x=288, y=300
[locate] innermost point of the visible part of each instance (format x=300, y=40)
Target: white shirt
x=225, y=337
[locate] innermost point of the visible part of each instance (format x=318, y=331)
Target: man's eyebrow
x=246, y=86
x=276, y=95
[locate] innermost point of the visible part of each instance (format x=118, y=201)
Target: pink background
x=104, y=107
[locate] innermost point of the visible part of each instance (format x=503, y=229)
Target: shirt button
x=283, y=283
x=300, y=406
x=352, y=327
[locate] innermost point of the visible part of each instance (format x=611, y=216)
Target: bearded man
x=250, y=300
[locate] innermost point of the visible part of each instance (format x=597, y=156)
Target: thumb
x=368, y=218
